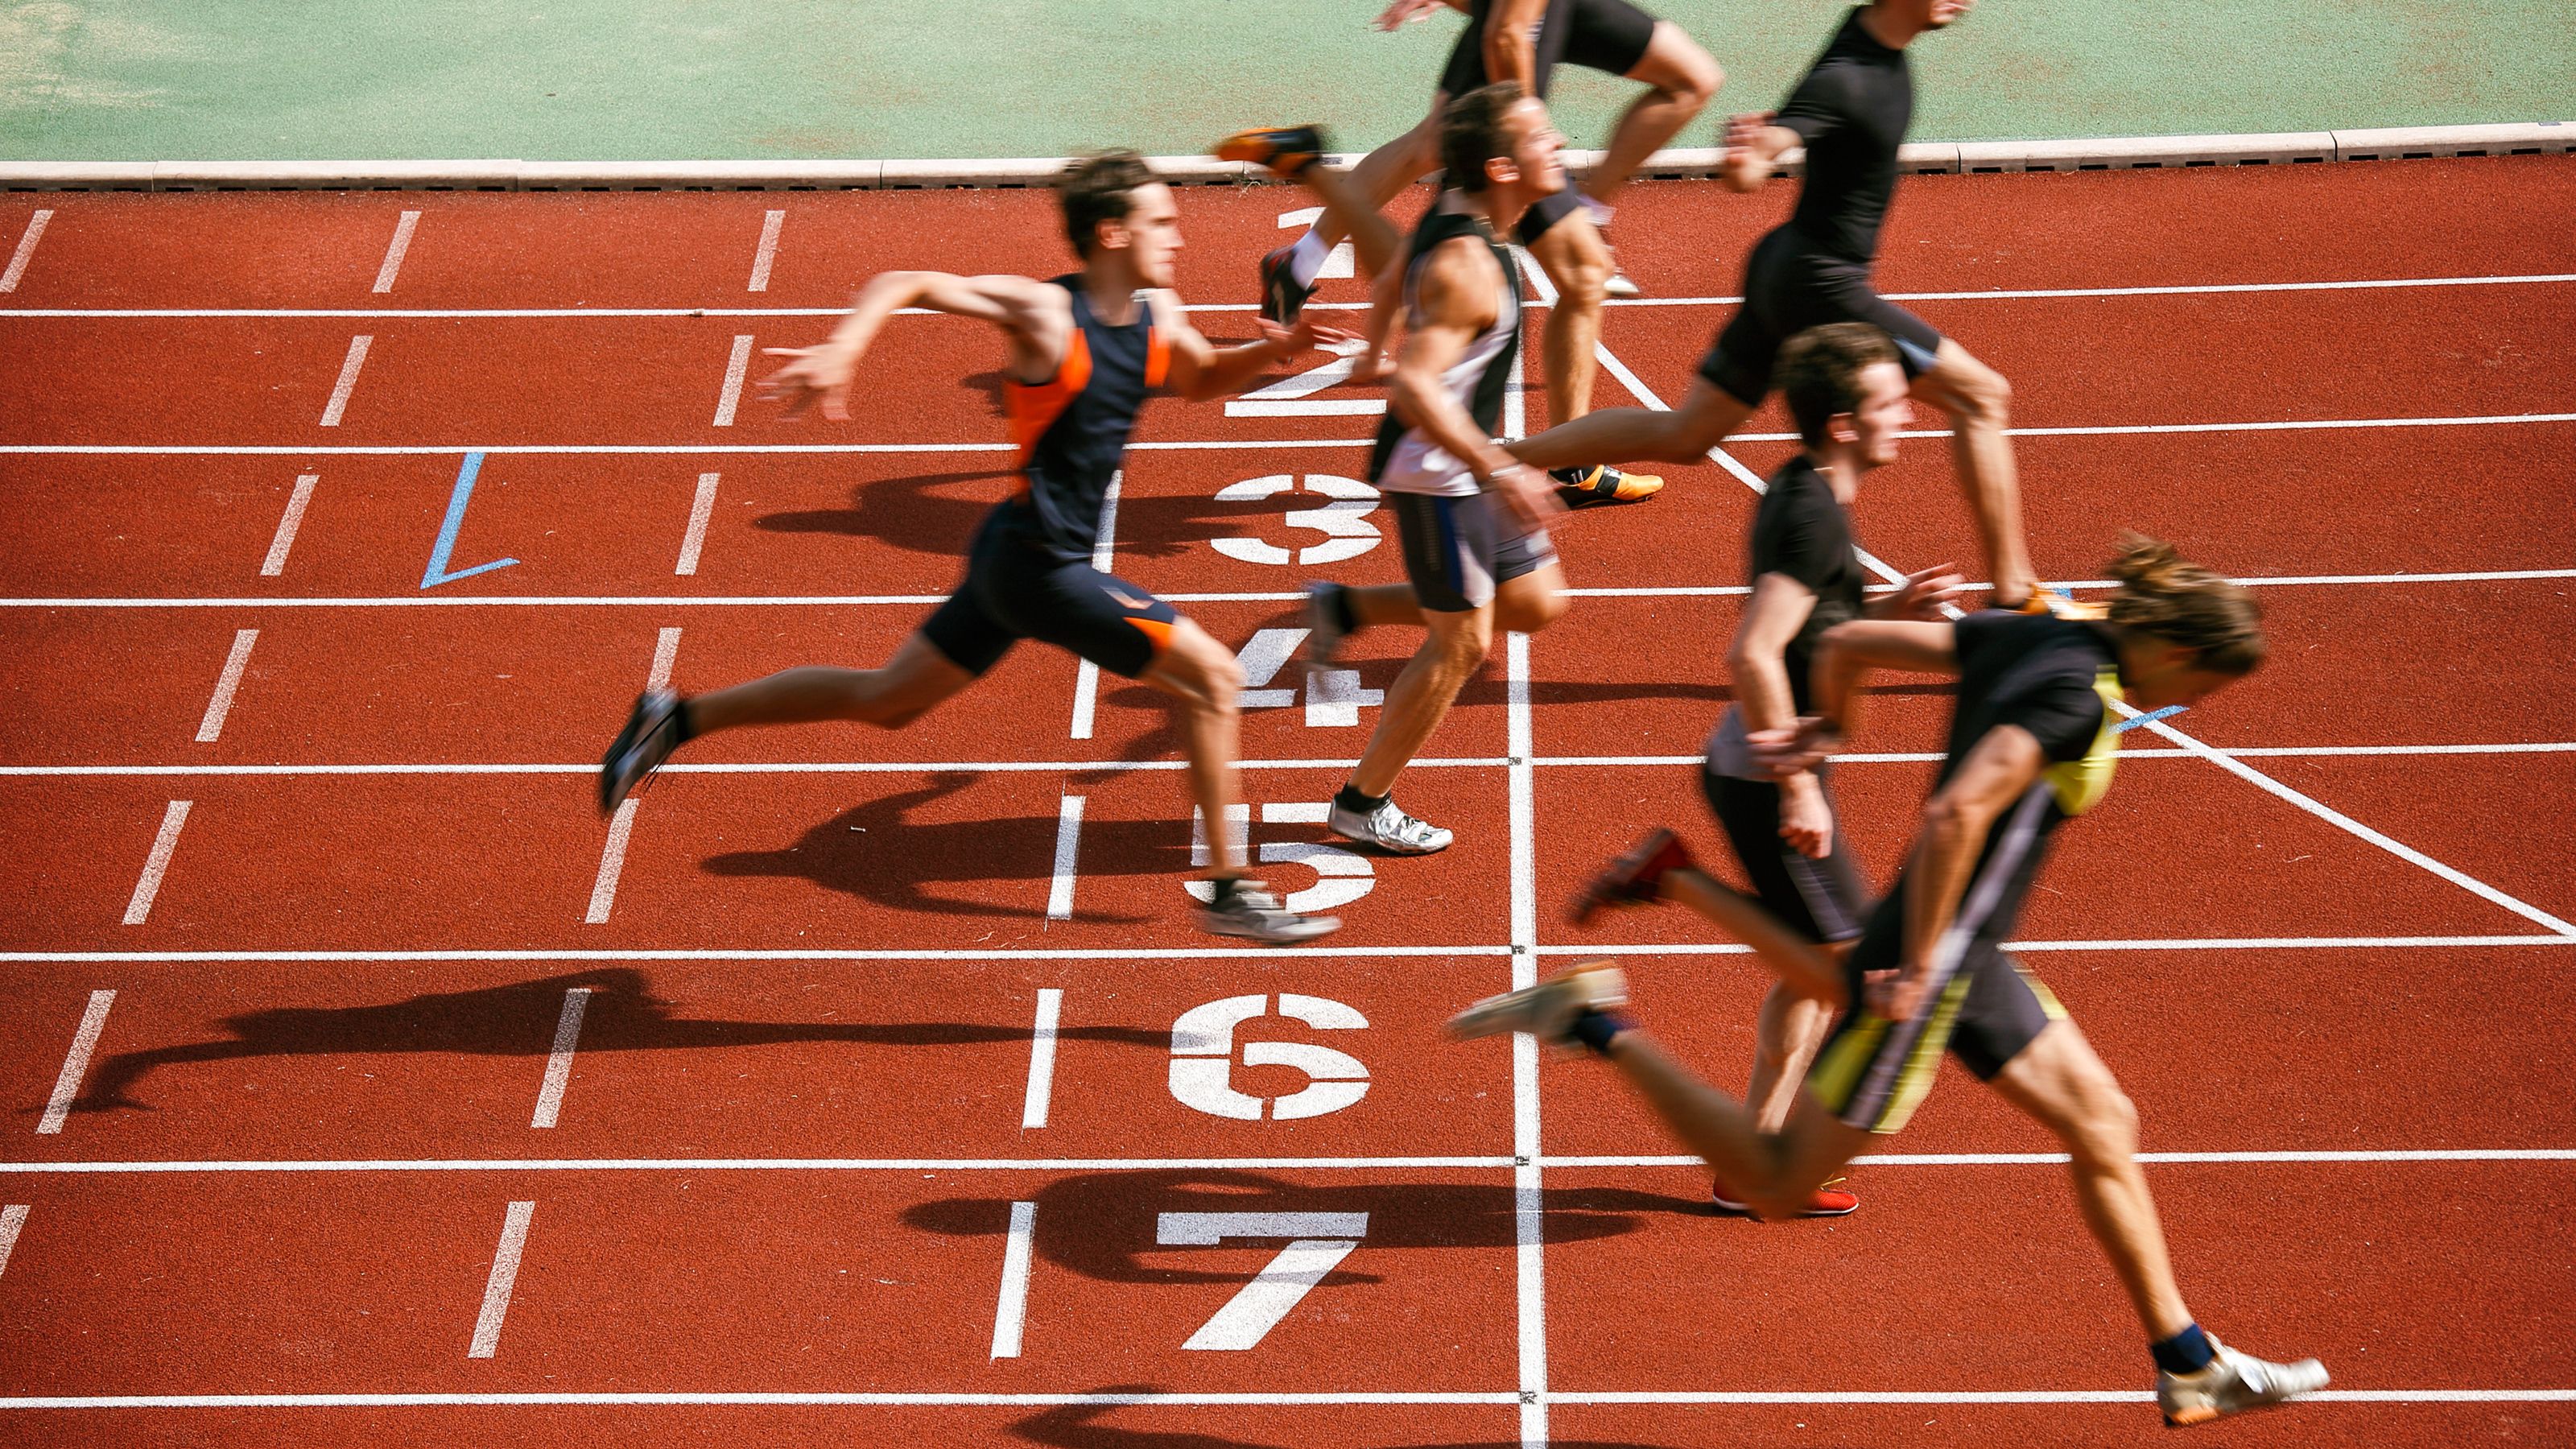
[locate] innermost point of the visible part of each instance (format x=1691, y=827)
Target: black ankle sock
x=1595, y=1029
x=683, y=728
x=1349, y=798
x=1338, y=602
x=2187, y=1352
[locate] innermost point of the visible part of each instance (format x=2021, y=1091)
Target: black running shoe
x=1282, y=295
x=652, y=732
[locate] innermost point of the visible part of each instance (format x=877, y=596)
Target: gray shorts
x=1457, y=551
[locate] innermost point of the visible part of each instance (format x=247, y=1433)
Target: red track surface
x=795, y=1173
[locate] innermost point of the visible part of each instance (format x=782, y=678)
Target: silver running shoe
x=1389, y=829
x=1548, y=1009
x=1324, y=633
x=1253, y=913
x=2233, y=1383
x=652, y=732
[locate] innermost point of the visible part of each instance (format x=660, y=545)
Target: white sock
x=1306, y=258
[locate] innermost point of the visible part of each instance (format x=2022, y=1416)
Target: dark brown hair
x=2166, y=595
x=1820, y=372
x=1471, y=133
x=1094, y=189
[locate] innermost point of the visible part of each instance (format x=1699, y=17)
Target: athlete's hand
x=1785, y=753
x=1405, y=12
x=1744, y=169
x=1527, y=492
x=1371, y=365
x=821, y=372
x=1306, y=336
x=1923, y=593
x=1805, y=822
x=1895, y=995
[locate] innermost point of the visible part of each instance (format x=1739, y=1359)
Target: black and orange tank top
x=1071, y=429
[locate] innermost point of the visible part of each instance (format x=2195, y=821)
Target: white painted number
x=1321, y=1242
x=1343, y=522
x=1333, y=696
x=1203, y=1059
x=1346, y=877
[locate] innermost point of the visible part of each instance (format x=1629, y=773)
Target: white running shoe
x=1253, y=913
x=1324, y=632
x=1389, y=829
x=2232, y=1383
x=1548, y=1009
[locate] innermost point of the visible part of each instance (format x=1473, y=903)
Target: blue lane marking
x=2149, y=717
x=437, y=573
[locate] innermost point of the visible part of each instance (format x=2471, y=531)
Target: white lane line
x=394, y=250
x=1529, y=1205
x=58, y=1103
x=403, y=450
x=138, y=907
x=26, y=251
x=348, y=382
x=1215, y=1400
x=505, y=1275
x=507, y=313
x=1068, y=845
x=612, y=862
x=911, y=767
x=1012, y=1310
x=701, y=509
x=12, y=1219
x=768, y=253
x=237, y=1167
x=1104, y=552
x=666, y=655
x=559, y=1061
x=1041, y=1092
x=737, y=366
x=1212, y=953
x=287, y=524
x=211, y=728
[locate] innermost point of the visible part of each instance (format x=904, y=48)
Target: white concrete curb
x=2114, y=153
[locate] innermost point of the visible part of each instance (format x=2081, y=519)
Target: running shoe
x=1585, y=487
x=1324, y=633
x=2232, y=1383
x=1389, y=829
x=1284, y=150
x=1620, y=285
x=2045, y=600
x=1828, y=1201
x=652, y=732
x=1282, y=295
x=1548, y=1010
x=1636, y=878
x=1251, y=912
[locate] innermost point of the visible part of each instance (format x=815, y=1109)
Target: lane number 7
x=1321, y=1242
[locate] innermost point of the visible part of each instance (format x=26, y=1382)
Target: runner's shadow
x=518, y=1019
x=922, y=513
x=879, y=853
x=1102, y=1225
x=1079, y=1426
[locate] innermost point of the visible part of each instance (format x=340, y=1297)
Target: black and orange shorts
x=1015, y=590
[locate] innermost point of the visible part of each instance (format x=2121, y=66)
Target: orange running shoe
x=1589, y=487
x=1285, y=150
x=1829, y=1201
x=2063, y=605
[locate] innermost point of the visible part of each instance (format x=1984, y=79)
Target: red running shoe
x=1633, y=879
x=1830, y=1201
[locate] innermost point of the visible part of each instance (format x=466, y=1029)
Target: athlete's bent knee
x=1530, y=612
x=1681, y=69
x=2106, y=1129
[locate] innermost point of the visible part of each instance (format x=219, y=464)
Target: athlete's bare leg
x=1775, y=1174
x=1979, y=403
x=1203, y=679
x=1786, y=1036
x=1455, y=646
x=1352, y=213
x=1577, y=260
x=2059, y=1081
x=916, y=679
x=1383, y=173
x=1683, y=435
x=1682, y=79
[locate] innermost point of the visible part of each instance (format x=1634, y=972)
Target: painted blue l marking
x=437, y=573
x=2150, y=717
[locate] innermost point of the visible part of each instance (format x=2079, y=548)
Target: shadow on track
x=518, y=1019
x=921, y=513
x=1101, y=1224
x=1078, y=1426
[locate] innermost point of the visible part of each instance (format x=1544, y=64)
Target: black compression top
x=1072, y=429
x=1851, y=110
x=1801, y=531
x=2054, y=677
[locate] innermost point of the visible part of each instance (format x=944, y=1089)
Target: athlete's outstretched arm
x=1201, y=370
x=1034, y=315
x=1753, y=143
x=1454, y=301
x=1846, y=653
x=1772, y=617
x=1996, y=773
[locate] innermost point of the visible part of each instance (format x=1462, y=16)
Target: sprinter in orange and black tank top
x=1086, y=350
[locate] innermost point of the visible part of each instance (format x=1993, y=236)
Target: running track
x=367, y=1088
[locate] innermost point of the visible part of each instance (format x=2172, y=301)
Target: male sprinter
x=1850, y=113
x=2033, y=742
x=1086, y=350
x=1847, y=393
x=1523, y=40
x=1472, y=522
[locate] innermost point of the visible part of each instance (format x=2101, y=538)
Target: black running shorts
x=1820, y=899
x=1013, y=591
x=1790, y=286
x=1458, y=551
x=1602, y=35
